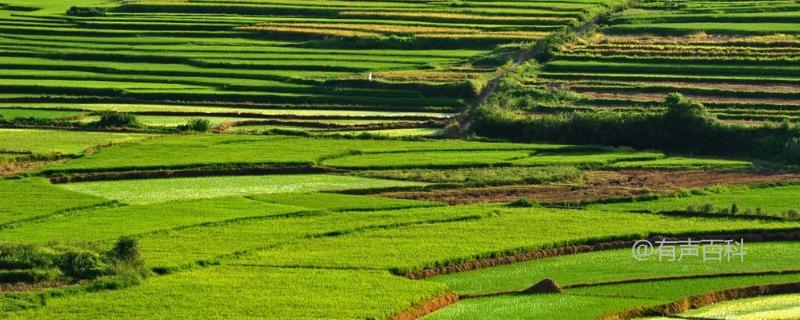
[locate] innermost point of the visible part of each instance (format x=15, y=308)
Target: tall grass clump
x=113, y=119
x=118, y=267
x=196, y=125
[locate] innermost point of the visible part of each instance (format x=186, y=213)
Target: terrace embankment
x=686, y=304
x=427, y=307
x=604, y=185
x=589, y=247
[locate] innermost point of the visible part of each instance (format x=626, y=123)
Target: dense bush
x=86, y=12
x=33, y=263
x=127, y=249
x=196, y=125
x=25, y=256
x=113, y=119
x=81, y=265
x=544, y=49
x=685, y=127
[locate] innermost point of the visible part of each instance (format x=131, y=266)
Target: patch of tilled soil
x=602, y=185
x=669, y=181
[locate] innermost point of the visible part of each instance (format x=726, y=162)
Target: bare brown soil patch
x=549, y=194
x=603, y=185
x=427, y=307
x=668, y=181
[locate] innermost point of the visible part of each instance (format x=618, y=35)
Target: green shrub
x=121, y=281
x=524, y=203
x=544, y=49
x=127, y=249
x=86, y=12
x=80, y=265
x=196, y=125
x=113, y=119
x=685, y=127
x=23, y=256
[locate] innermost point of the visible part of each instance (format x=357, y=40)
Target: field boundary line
x=638, y=280
x=702, y=300
x=587, y=246
x=215, y=260
x=67, y=211
x=200, y=171
x=427, y=306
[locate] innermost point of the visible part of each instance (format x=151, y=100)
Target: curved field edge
x=620, y=301
x=693, y=302
x=772, y=307
x=618, y=266
x=586, y=246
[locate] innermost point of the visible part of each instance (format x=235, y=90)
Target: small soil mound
x=544, y=286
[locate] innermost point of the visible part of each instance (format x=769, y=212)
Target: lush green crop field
x=324, y=116
x=739, y=59
x=614, y=265
x=769, y=201
x=682, y=163
x=289, y=293
x=198, y=150
x=593, y=302
x=426, y=245
x=47, y=142
x=341, y=55
x=165, y=190
x=28, y=198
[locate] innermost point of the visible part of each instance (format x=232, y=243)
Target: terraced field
x=737, y=58
x=267, y=159
x=402, y=58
